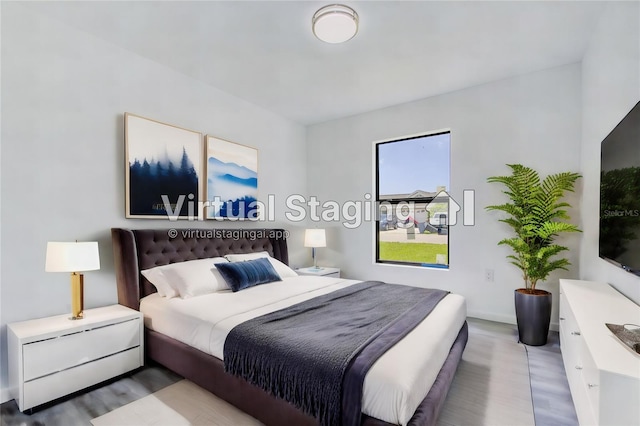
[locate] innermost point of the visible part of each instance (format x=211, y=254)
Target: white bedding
x=394, y=386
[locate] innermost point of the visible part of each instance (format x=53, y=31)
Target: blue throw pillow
x=241, y=275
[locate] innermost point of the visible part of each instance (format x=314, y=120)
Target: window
x=412, y=184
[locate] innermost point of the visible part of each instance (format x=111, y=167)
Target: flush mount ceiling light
x=335, y=23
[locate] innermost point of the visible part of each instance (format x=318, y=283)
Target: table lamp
x=73, y=257
x=315, y=238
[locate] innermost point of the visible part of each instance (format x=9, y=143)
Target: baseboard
x=506, y=319
x=5, y=395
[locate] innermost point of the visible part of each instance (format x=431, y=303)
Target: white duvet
x=394, y=386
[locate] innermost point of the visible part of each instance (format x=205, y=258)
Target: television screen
x=620, y=194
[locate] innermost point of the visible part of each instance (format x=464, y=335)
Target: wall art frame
x=231, y=180
x=164, y=170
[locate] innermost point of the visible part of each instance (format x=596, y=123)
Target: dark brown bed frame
x=136, y=250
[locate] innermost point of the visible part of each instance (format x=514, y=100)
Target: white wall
x=4, y=395
x=64, y=93
x=532, y=119
x=610, y=88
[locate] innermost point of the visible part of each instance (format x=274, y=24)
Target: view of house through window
x=412, y=184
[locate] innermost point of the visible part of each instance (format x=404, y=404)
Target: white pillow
x=159, y=281
x=283, y=270
x=196, y=277
x=187, y=279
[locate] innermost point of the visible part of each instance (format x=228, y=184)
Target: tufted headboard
x=139, y=249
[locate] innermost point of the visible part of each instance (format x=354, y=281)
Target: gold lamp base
x=77, y=296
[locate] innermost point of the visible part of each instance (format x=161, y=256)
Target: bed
x=199, y=359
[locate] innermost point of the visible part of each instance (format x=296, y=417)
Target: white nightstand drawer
x=49, y=356
x=50, y=387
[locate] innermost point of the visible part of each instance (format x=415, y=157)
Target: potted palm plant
x=537, y=217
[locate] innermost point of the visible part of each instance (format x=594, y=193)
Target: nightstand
x=53, y=357
x=322, y=272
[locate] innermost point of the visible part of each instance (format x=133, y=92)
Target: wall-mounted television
x=620, y=194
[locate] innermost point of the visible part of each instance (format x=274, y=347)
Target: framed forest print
x=232, y=180
x=163, y=170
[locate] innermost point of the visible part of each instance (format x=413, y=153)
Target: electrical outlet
x=488, y=275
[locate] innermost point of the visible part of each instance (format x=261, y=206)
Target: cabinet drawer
x=563, y=309
x=49, y=356
x=590, y=379
x=569, y=329
x=568, y=321
x=50, y=387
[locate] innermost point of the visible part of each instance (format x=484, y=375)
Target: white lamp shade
x=335, y=23
x=315, y=238
x=72, y=257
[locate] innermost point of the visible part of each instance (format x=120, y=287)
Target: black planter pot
x=533, y=312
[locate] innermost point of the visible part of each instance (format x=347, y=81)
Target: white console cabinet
x=55, y=356
x=603, y=374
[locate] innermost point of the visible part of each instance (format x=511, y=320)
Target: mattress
x=394, y=386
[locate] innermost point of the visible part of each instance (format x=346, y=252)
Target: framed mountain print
x=163, y=170
x=232, y=180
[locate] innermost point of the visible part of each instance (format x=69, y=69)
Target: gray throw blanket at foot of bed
x=315, y=354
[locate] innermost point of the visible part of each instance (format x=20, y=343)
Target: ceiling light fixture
x=335, y=23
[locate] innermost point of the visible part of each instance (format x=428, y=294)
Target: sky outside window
x=414, y=164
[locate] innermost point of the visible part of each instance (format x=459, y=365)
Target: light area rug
x=180, y=404
x=491, y=387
